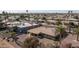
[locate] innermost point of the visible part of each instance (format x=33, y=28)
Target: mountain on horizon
x=40, y=11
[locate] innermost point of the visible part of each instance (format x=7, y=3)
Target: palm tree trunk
x=60, y=39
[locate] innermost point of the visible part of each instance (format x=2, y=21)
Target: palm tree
x=28, y=15
x=69, y=27
x=70, y=13
x=26, y=11
x=77, y=33
x=60, y=30
x=3, y=12
x=58, y=22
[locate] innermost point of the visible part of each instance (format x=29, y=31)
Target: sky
x=38, y=5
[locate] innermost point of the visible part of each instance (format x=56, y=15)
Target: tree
x=70, y=13
x=15, y=28
x=36, y=18
x=13, y=36
x=26, y=11
x=22, y=17
x=60, y=30
x=31, y=43
x=2, y=26
x=28, y=15
x=3, y=12
x=77, y=33
x=58, y=22
x=76, y=17
x=44, y=18
x=78, y=21
x=70, y=26
x=17, y=19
